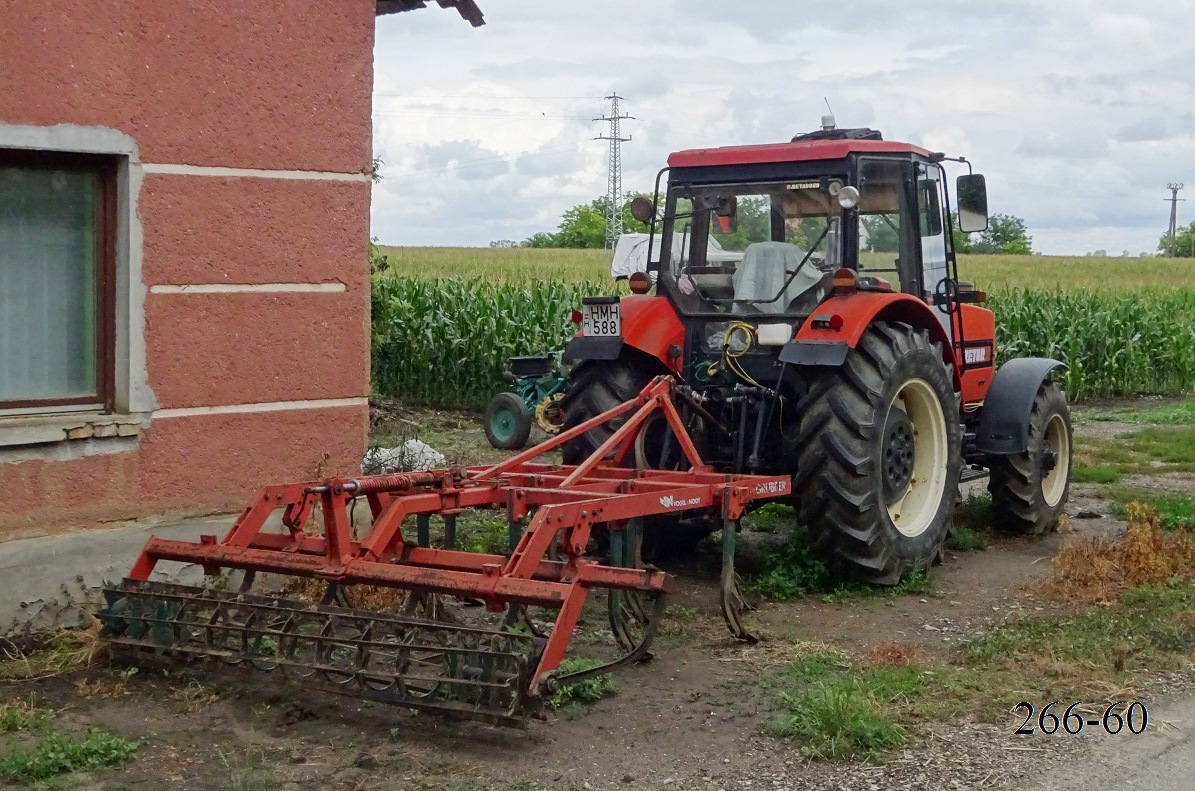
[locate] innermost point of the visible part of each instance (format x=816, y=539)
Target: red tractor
x=841, y=349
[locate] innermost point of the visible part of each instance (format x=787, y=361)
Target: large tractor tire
x=1030, y=490
x=880, y=459
x=595, y=387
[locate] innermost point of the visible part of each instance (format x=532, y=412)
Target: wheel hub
x=897, y=455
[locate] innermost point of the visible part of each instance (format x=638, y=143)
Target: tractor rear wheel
x=1030, y=490
x=597, y=386
x=880, y=459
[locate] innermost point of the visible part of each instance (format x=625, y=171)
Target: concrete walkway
x=1161, y=759
x=53, y=580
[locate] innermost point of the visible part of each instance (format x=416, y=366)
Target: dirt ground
x=689, y=718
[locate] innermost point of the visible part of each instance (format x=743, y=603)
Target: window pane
x=47, y=284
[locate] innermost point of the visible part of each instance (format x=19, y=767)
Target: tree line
x=584, y=226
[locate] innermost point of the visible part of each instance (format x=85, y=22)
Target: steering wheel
x=946, y=295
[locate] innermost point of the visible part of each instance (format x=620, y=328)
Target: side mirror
x=972, y=203
x=727, y=212
x=642, y=209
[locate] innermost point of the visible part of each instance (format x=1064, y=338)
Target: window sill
x=17, y=431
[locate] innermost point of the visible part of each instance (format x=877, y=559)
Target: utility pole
x=1174, y=199
x=614, y=180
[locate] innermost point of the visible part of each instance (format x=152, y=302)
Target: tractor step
x=973, y=473
x=465, y=672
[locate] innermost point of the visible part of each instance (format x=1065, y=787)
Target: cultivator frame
x=496, y=674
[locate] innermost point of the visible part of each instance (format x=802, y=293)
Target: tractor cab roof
x=801, y=149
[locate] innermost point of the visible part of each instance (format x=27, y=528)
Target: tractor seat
x=765, y=267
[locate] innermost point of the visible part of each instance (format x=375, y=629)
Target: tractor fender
x=649, y=324
x=859, y=310
x=1004, y=417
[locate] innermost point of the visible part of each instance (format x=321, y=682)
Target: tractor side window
x=884, y=225
x=933, y=237
x=929, y=201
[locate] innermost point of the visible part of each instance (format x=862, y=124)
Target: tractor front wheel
x=1029, y=490
x=880, y=457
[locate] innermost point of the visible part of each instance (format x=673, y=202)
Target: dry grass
x=893, y=654
x=62, y=652
x=195, y=696
x=373, y=598
x=1099, y=569
x=100, y=688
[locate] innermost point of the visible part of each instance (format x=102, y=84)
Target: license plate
x=601, y=320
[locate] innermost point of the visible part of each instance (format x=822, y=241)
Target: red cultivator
x=498, y=668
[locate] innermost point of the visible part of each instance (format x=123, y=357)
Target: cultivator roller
x=496, y=663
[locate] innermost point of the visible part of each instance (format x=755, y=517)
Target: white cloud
x=1077, y=110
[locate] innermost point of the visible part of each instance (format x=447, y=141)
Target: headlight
x=848, y=197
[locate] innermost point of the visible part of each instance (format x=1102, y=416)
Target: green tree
x=881, y=236
x=1006, y=234
x=584, y=226
x=1184, y=243
x=754, y=224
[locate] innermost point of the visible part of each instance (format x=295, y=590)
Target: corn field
x=444, y=342
x=1114, y=344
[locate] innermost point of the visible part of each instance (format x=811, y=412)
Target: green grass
x=834, y=707
x=966, y=539
x=1098, y=473
x=58, y=753
x=1152, y=450
x=486, y=532
x=1154, y=626
x=591, y=690
x=19, y=717
x=791, y=569
x=1177, y=413
x=837, y=721
x=770, y=518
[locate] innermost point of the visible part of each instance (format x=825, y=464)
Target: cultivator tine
x=733, y=603
x=492, y=663
x=630, y=619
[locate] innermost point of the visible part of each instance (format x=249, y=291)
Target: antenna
x=828, y=122
x=614, y=179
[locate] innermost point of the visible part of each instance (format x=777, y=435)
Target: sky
x=1079, y=112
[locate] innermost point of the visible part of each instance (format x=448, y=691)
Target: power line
x=614, y=178
x=1174, y=199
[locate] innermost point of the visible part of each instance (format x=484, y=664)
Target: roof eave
x=466, y=8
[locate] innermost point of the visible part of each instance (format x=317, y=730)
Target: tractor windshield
x=752, y=248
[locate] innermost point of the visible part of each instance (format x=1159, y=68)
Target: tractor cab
x=800, y=211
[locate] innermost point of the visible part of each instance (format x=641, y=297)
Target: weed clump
x=591, y=690
x=58, y=753
x=1099, y=569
